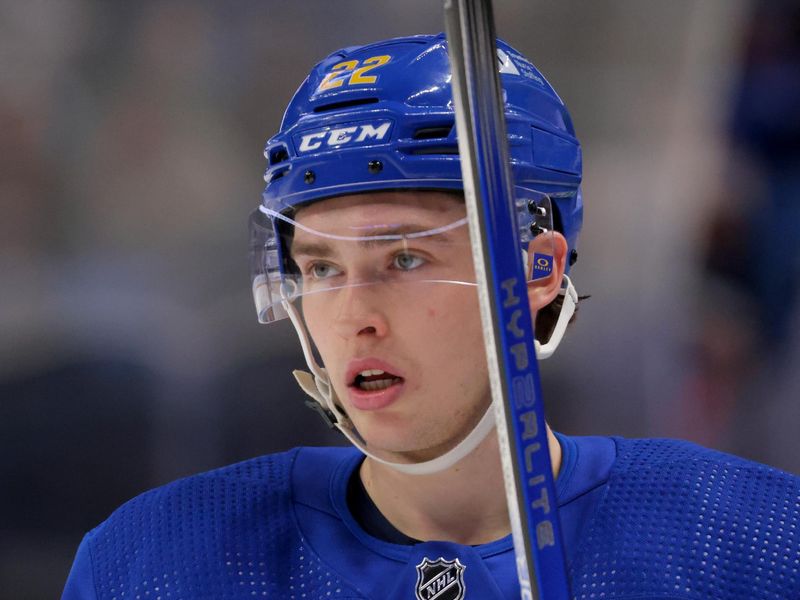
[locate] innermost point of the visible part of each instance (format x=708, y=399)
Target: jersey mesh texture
x=681, y=521
x=219, y=535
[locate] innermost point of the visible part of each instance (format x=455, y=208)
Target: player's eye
x=321, y=270
x=407, y=262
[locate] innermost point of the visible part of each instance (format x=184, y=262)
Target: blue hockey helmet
x=381, y=116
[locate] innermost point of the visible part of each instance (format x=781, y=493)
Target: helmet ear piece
x=568, y=232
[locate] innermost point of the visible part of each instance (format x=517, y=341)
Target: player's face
x=404, y=354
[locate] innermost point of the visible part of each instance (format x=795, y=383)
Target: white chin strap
x=567, y=310
x=317, y=384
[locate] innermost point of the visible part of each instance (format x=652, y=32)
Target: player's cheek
x=320, y=335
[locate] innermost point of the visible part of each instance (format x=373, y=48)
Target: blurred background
x=130, y=157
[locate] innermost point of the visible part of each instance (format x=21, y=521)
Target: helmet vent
x=273, y=176
x=435, y=150
x=433, y=133
x=344, y=104
x=278, y=155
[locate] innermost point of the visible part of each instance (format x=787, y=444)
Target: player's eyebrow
x=379, y=236
x=320, y=250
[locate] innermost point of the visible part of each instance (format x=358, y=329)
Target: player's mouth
x=373, y=384
x=372, y=380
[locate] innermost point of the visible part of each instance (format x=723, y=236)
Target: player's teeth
x=371, y=372
x=372, y=386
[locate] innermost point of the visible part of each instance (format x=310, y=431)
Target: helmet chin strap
x=317, y=384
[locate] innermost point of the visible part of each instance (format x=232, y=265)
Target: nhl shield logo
x=440, y=579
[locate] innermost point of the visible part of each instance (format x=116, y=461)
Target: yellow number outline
x=340, y=72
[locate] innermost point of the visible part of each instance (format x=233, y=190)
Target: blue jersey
x=641, y=519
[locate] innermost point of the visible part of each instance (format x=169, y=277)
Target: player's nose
x=360, y=311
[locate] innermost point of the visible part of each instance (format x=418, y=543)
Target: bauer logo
x=440, y=579
x=347, y=135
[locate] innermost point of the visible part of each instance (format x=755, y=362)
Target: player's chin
x=379, y=427
x=386, y=432
x=399, y=439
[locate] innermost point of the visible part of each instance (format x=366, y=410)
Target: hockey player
x=361, y=241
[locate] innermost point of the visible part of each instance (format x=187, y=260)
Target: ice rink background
x=130, y=157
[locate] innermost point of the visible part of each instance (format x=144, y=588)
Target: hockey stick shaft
x=506, y=318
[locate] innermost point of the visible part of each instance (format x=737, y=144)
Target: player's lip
x=359, y=365
x=372, y=399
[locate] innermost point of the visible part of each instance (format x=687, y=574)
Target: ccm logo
x=340, y=136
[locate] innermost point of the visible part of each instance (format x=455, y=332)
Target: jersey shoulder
x=682, y=521
x=212, y=535
x=235, y=490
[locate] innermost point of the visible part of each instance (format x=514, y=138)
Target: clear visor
x=394, y=248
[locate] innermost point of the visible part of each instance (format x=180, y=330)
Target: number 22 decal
x=352, y=73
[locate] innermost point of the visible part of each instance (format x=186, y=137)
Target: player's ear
x=542, y=290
